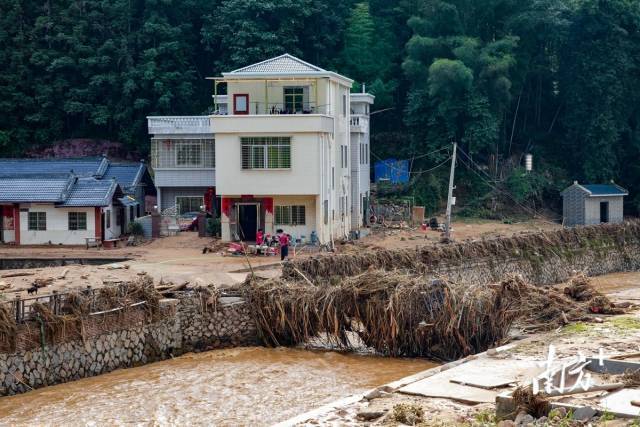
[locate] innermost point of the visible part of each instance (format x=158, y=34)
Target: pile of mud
x=539, y=245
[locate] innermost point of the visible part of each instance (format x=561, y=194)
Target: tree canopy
x=556, y=78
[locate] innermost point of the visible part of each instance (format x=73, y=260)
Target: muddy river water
x=245, y=386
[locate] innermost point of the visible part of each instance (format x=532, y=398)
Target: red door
x=241, y=103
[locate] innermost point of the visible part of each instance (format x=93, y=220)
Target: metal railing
x=183, y=153
x=22, y=309
x=278, y=108
x=179, y=125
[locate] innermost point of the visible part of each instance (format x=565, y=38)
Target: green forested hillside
x=556, y=78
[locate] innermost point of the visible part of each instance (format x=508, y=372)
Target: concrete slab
x=620, y=402
x=440, y=385
x=437, y=386
x=482, y=380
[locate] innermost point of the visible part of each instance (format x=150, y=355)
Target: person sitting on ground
x=283, y=239
x=259, y=237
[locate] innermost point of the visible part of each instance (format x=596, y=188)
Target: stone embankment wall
x=541, y=258
x=188, y=323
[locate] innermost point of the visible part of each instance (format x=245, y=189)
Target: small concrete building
x=588, y=204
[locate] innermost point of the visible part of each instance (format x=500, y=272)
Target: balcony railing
x=189, y=153
x=177, y=125
x=278, y=108
x=359, y=123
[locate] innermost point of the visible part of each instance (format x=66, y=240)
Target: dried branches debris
x=405, y=315
x=534, y=404
x=59, y=323
x=580, y=289
x=528, y=246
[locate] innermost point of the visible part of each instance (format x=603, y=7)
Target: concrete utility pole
x=447, y=225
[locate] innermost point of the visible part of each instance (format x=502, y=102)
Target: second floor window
x=266, y=152
x=183, y=153
x=188, y=154
x=293, y=99
x=77, y=220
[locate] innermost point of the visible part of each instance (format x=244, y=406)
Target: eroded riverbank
x=244, y=386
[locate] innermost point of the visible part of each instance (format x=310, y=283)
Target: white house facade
x=279, y=152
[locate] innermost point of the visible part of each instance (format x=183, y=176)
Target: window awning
x=129, y=201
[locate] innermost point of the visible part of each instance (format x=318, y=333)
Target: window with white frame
x=77, y=220
x=290, y=215
x=189, y=204
x=293, y=99
x=266, y=152
x=108, y=220
x=37, y=221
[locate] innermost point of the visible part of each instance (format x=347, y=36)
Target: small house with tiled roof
x=588, y=204
x=67, y=201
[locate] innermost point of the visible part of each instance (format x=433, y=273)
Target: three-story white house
x=282, y=150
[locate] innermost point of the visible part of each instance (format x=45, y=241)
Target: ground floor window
x=108, y=219
x=77, y=220
x=189, y=204
x=325, y=212
x=38, y=221
x=290, y=215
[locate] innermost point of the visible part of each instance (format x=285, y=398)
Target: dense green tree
x=556, y=78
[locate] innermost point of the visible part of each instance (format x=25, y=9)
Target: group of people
x=281, y=238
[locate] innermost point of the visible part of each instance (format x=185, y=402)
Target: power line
x=420, y=172
x=433, y=168
x=446, y=147
x=417, y=157
x=506, y=193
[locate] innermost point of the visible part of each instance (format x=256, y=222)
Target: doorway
x=102, y=224
x=248, y=221
x=604, y=212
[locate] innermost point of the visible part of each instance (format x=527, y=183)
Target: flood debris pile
x=65, y=317
x=404, y=315
x=557, y=243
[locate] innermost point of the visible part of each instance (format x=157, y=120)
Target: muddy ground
x=179, y=259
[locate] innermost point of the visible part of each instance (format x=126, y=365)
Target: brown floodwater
x=243, y=386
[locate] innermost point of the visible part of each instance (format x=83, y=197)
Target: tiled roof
x=90, y=192
x=126, y=174
x=81, y=167
x=281, y=64
x=605, y=190
x=51, y=188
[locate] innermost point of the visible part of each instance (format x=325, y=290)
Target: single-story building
x=588, y=204
x=133, y=178
x=61, y=209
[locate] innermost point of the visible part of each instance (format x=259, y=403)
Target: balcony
x=273, y=123
x=179, y=125
x=359, y=123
